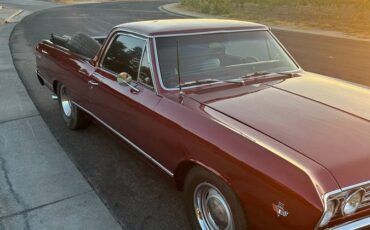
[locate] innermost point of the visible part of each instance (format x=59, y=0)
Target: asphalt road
x=138, y=195
x=335, y=57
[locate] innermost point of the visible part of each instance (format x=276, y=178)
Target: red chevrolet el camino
x=254, y=141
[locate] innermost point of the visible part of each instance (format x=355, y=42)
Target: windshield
x=222, y=56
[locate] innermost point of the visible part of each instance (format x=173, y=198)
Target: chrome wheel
x=211, y=208
x=65, y=101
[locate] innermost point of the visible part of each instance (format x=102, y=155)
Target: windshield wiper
x=199, y=82
x=234, y=81
x=264, y=73
x=256, y=74
x=206, y=81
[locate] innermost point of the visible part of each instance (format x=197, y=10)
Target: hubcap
x=66, y=102
x=211, y=208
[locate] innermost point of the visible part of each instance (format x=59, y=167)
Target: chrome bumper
x=357, y=224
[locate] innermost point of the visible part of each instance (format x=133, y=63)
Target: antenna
x=178, y=67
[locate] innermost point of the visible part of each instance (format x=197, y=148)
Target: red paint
x=288, y=141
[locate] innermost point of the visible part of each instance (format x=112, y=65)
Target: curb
x=9, y=19
x=173, y=8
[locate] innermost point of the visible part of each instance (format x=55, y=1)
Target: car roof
x=185, y=26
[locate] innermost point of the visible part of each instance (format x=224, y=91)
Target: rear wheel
x=211, y=203
x=73, y=117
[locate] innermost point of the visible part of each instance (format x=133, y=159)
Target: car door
x=128, y=112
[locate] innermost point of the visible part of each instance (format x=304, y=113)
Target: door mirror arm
x=125, y=79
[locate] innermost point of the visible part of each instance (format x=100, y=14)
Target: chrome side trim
x=127, y=140
x=357, y=224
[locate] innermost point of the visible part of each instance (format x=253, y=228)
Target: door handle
x=91, y=82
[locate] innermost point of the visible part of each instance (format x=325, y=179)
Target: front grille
x=366, y=201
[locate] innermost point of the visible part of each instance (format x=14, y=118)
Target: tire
x=73, y=117
x=84, y=45
x=202, y=183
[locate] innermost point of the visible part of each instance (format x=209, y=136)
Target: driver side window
x=124, y=55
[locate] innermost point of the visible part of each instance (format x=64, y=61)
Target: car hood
x=325, y=119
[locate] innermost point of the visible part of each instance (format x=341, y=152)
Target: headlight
x=340, y=203
x=329, y=213
x=352, y=202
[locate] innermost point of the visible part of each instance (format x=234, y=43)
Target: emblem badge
x=279, y=209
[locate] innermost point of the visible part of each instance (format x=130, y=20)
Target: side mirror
x=124, y=78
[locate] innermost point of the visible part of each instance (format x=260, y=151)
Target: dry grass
x=348, y=16
x=84, y=1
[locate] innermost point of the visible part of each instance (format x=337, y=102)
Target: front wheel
x=211, y=203
x=73, y=117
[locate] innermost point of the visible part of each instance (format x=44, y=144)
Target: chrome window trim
x=106, y=48
x=174, y=34
x=150, y=67
x=209, y=32
x=299, y=69
x=106, y=44
x=149, y=51
x=285, y=50
x=127, y=140
x=122, y=29
x=141, y=60
x=338, y=191
x=118, y=32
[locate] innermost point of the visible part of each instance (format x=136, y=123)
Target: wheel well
x=181, y=172
x=184, y=168
x=55, y=86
